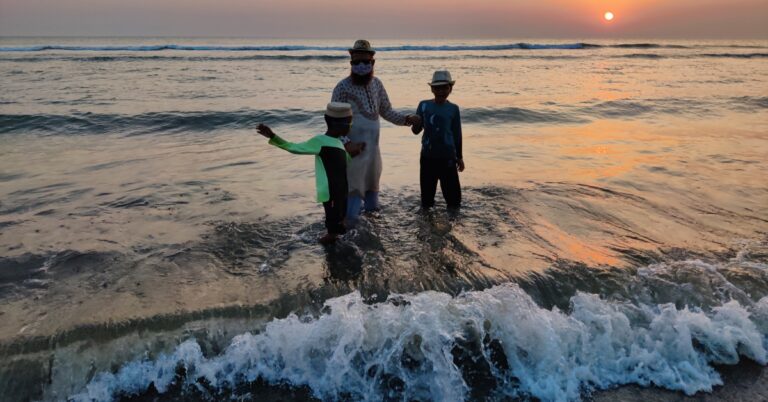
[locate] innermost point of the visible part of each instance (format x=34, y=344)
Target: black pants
x=335, y=210
x=444, y=171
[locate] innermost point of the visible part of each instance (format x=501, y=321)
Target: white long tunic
x=368, y=103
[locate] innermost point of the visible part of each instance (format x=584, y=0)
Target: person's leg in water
x=354, y=205
x=450, y=185
x=428, y=182
x=371, y=201
x=335, y=210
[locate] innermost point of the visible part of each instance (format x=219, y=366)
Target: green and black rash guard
x=330, y=163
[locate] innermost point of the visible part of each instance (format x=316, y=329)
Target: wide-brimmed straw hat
x=362, y=45
x=441, y=77
x=338, y=110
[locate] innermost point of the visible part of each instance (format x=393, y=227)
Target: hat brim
x=438, y=83
x=352, y=50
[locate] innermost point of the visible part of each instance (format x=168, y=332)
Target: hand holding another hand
x=412, y=120
x=354, y=148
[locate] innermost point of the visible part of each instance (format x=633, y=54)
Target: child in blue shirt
x=331, y=160
x=441, y=157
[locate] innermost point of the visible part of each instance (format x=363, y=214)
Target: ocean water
x=614, y=229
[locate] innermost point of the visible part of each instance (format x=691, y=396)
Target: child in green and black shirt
x=330, y=164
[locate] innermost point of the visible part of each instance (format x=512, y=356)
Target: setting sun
x=608, y=16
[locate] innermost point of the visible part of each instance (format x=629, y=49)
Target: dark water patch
x=724, y=159
x=663, y=170
x=750, y=103
x=229, y=165
x=628, y=108
x=647, y=46
x=70, y=262
x=194, y=183
x=110, y=165
x=146, y=123
x=523, y=56
x=618, y=109
x=43, y=197
x=734, y=55
x=733, y=46
x=643, y=56
x=7, y=224
x=17, y=269
x=162, y=196
x=132, y=202
x=250, y=248
x=42, y=189
x=655, y=56
x=30, y=384
x=517, y=115
x=86, y=100
x=245, y=390
x=5, y=177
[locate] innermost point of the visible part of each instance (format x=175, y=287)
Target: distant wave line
x=287, y=48
x=319, y=57
x=244, y=119
x=176, y=122
x=330, y=58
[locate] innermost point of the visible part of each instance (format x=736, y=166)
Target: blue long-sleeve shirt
x=442, y=130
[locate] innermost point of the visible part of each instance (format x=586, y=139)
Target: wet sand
x=744, y=382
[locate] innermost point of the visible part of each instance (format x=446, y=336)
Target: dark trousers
x=335, y=210
x=442, y=170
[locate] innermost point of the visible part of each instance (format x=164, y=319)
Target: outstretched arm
x=391, y=115
x=309, y=147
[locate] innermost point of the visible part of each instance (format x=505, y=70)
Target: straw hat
x=362, y=45
x=338, y=110
x=441, y=77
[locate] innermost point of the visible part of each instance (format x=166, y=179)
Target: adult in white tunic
x=369, y=100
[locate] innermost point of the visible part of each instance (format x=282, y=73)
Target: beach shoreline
x=745, y=381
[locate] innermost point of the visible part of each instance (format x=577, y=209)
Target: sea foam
x=416, y=342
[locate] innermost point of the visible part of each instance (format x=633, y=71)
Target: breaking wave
x=431, y=346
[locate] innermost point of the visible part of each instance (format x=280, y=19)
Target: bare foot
x=328, y=239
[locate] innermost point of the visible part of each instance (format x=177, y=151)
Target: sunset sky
x=387, y=19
